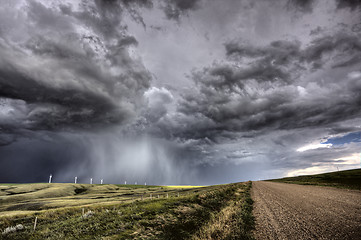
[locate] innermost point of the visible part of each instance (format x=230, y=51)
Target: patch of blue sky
x=349, y=138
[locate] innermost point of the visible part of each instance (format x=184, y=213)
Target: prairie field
x=108, y=211
x=350, y=179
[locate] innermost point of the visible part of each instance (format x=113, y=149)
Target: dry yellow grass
x=224, y=223
x=183, y=186
x=20, y=199
x=118, y=211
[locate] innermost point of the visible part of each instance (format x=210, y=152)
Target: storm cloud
x=174, y=9
x=172, y=92
x=268, y=86
x=70, y=69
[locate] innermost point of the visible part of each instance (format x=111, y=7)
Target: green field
x=350, y=179
x=84, y=211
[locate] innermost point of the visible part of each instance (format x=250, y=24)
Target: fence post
x=36, y=220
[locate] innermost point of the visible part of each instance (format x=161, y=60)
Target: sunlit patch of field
x=183, y=186
x=84, y=211
x=37, y=197
x=350, y=179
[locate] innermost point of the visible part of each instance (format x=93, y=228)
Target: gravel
x=290, y=211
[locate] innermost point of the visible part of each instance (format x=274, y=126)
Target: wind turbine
x=91, y=180
x=50, y=177
x=75, y=179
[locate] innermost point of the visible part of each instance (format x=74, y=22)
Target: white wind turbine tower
x=91, y=180
x=50, y=177
x=101, y=181
x=75, y=179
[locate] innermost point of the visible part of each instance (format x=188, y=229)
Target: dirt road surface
x=290, y=211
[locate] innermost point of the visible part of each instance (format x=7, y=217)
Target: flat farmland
x=108, y=211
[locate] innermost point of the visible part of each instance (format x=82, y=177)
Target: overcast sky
x=178, y=91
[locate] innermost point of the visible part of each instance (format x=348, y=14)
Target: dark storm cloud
x=351, y=4
x=72, y=68
x=51, y=108
x=74, y=86
x=348, y=46
x=35, y=159
x=174, y=9
x=102, y=155
x=6, y=139
x=301, y=5
x=105, y=16
x=307, y=5
x=281, y=55
x=63, y=77
x=264, y=87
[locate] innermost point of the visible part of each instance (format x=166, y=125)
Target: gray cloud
x=89, y=88
x=352, y=4
x=307, y=6
x=157, y=99
x=174, y=9
x=68, y=77
x=271, y=91
x=301, y=5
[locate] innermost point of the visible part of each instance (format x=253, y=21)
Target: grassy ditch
x=235, y=221
x=188, y=216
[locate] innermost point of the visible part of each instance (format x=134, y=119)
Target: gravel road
x=290, y=211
